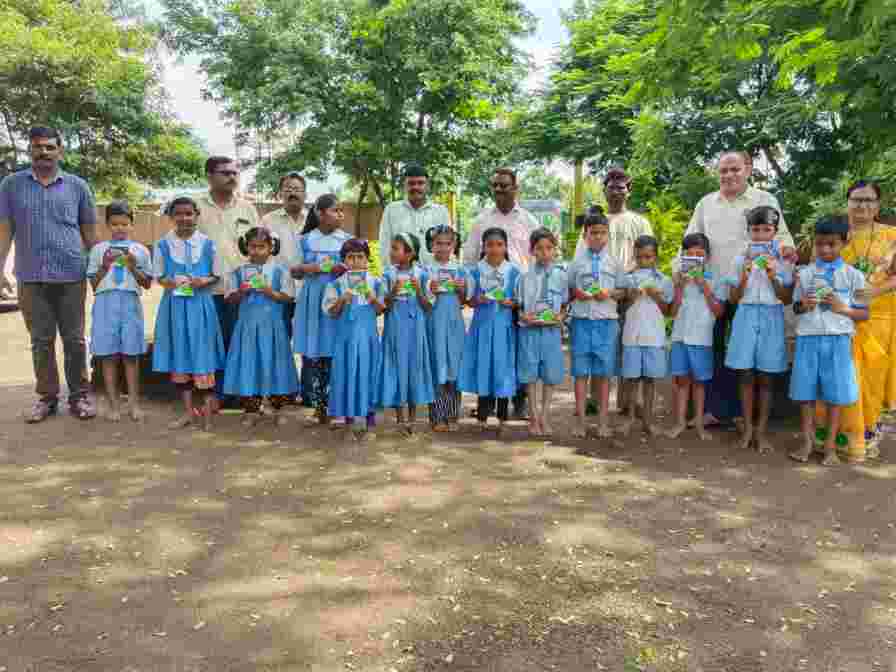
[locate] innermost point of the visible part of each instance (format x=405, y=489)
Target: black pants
x=722, y=392
x=446, y=406
x=317, y=392
x=485, y=406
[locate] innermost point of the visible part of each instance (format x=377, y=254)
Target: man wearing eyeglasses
x=224, y=217
x=415, y=214
x=507, y=214
x=287, y=222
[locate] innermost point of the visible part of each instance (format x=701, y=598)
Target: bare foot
x=249, y=420
x=746, y=438
x=546, y=428
x=803, y=454
x=763, y=445
x=676, y=431
x=652, y=431
x=137, y=414
x=830, y=458
x=702, y=434
x=534, y=426
x=579, y=431
x=181, y=422
x=359, y=435
x=625, y=428
x=113, y=415
x=207, y=422
x=604, y=432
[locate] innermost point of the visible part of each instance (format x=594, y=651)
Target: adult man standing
x=415, y=214
x=625, y=226
x=721, y=217
x=52, y=216
x=507, y=214
x=287, y=222
x=224, y=217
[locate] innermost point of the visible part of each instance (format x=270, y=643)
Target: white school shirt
x=319, y=245
x=542, y=284
x=456, y=270
x=625, y=228
x=724, y=222
x=760, y=290
x=287, y=286
x=645, y=325
x=582, y=273
x=695, y=321
x=128, y=283
x=288, y=231
x=402, y=217
x=846, y=281
x=177, y=247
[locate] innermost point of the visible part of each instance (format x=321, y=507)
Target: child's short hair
x=354, y=246
x=441, y=230
x=181, y=200
x=259, y=233
x=489, y=234
x=696, y=240
x=540, y=234
x=411, y=243
x=595, y=217
x=119, y=209
x=833, y=225
x=764, y=214
x=642, y=242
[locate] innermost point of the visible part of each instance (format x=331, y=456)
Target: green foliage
x=669, y=220
x=371, y=85
x=77, y=67
x=537, y=183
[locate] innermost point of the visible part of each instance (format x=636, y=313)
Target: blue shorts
x=594, y=346
x=695, y=361
x=643, y=362
x=757, y=339
x=823, y=370
x=117, y=324
x=540, y=355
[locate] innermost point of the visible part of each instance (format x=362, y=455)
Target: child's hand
x=602, y=295
x=338, y=269
x=771, y=267
x=654, y=293
x=527, y=318
x=460, y=286
x=130, y=261
x=582, y=295
x=746, y=270
x=434, y=286
x=415, y=284
x=181, y=280
x=197, y=283
x=835, y=302
x=476, y=301
x=371, y=299
x=810, y=301
x=509, y=303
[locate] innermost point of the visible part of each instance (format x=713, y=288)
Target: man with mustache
x=415, y=215
x=287, y=223
x=52, y=215
x=224, y=217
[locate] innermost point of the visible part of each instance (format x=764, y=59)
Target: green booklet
x=326, y=265
x=496, y=294
x=184, y=290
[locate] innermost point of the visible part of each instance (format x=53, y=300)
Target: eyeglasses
x=502, y=186
x=293, y=190
x=227, y=173
x=863, y=202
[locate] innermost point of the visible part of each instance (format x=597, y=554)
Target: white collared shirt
x=759, y=290
x=288, y=230
x=846, y=281
x=607, y=272
x=128, y=282
x=542, y=285
x=645, y=325
x=402, y=217
x=625, y=228
x=177, y=248
x=695, y=321
x=724, y=222
x=519, y=224
x=316, y=246
x=224, y=226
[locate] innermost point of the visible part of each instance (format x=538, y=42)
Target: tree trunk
x=362, y=192
x=378, y=190
x=774, y=162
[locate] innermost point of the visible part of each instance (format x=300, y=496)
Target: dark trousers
x=48, y=307
x=227, y=316
x=288, y=314
x=722, y=393
x=485, y=406
x=446, y=406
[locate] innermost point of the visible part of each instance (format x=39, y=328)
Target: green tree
x=369, y=85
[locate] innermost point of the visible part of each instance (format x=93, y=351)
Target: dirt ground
x=134, y=548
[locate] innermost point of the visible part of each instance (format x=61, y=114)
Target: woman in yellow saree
x=871, y=249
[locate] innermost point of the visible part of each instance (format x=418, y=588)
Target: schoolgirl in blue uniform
x=319, y=247
x=449, y=283
x=543, y=294
x=762, y=286
x=698, y=301
x=826, y=303
x=188, y=342
x=644, y=334
x=118, y=270
x=406, y=378
x=489, y=367
x=355, y=300
x=260, y=363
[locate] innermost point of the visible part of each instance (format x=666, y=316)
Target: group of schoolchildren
x=427, y=356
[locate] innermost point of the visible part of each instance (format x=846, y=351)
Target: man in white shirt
x=625, y=226
x=415, y=215
x=287, y=224
x=507, y=214
x=721, y=216
x=224, y=217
